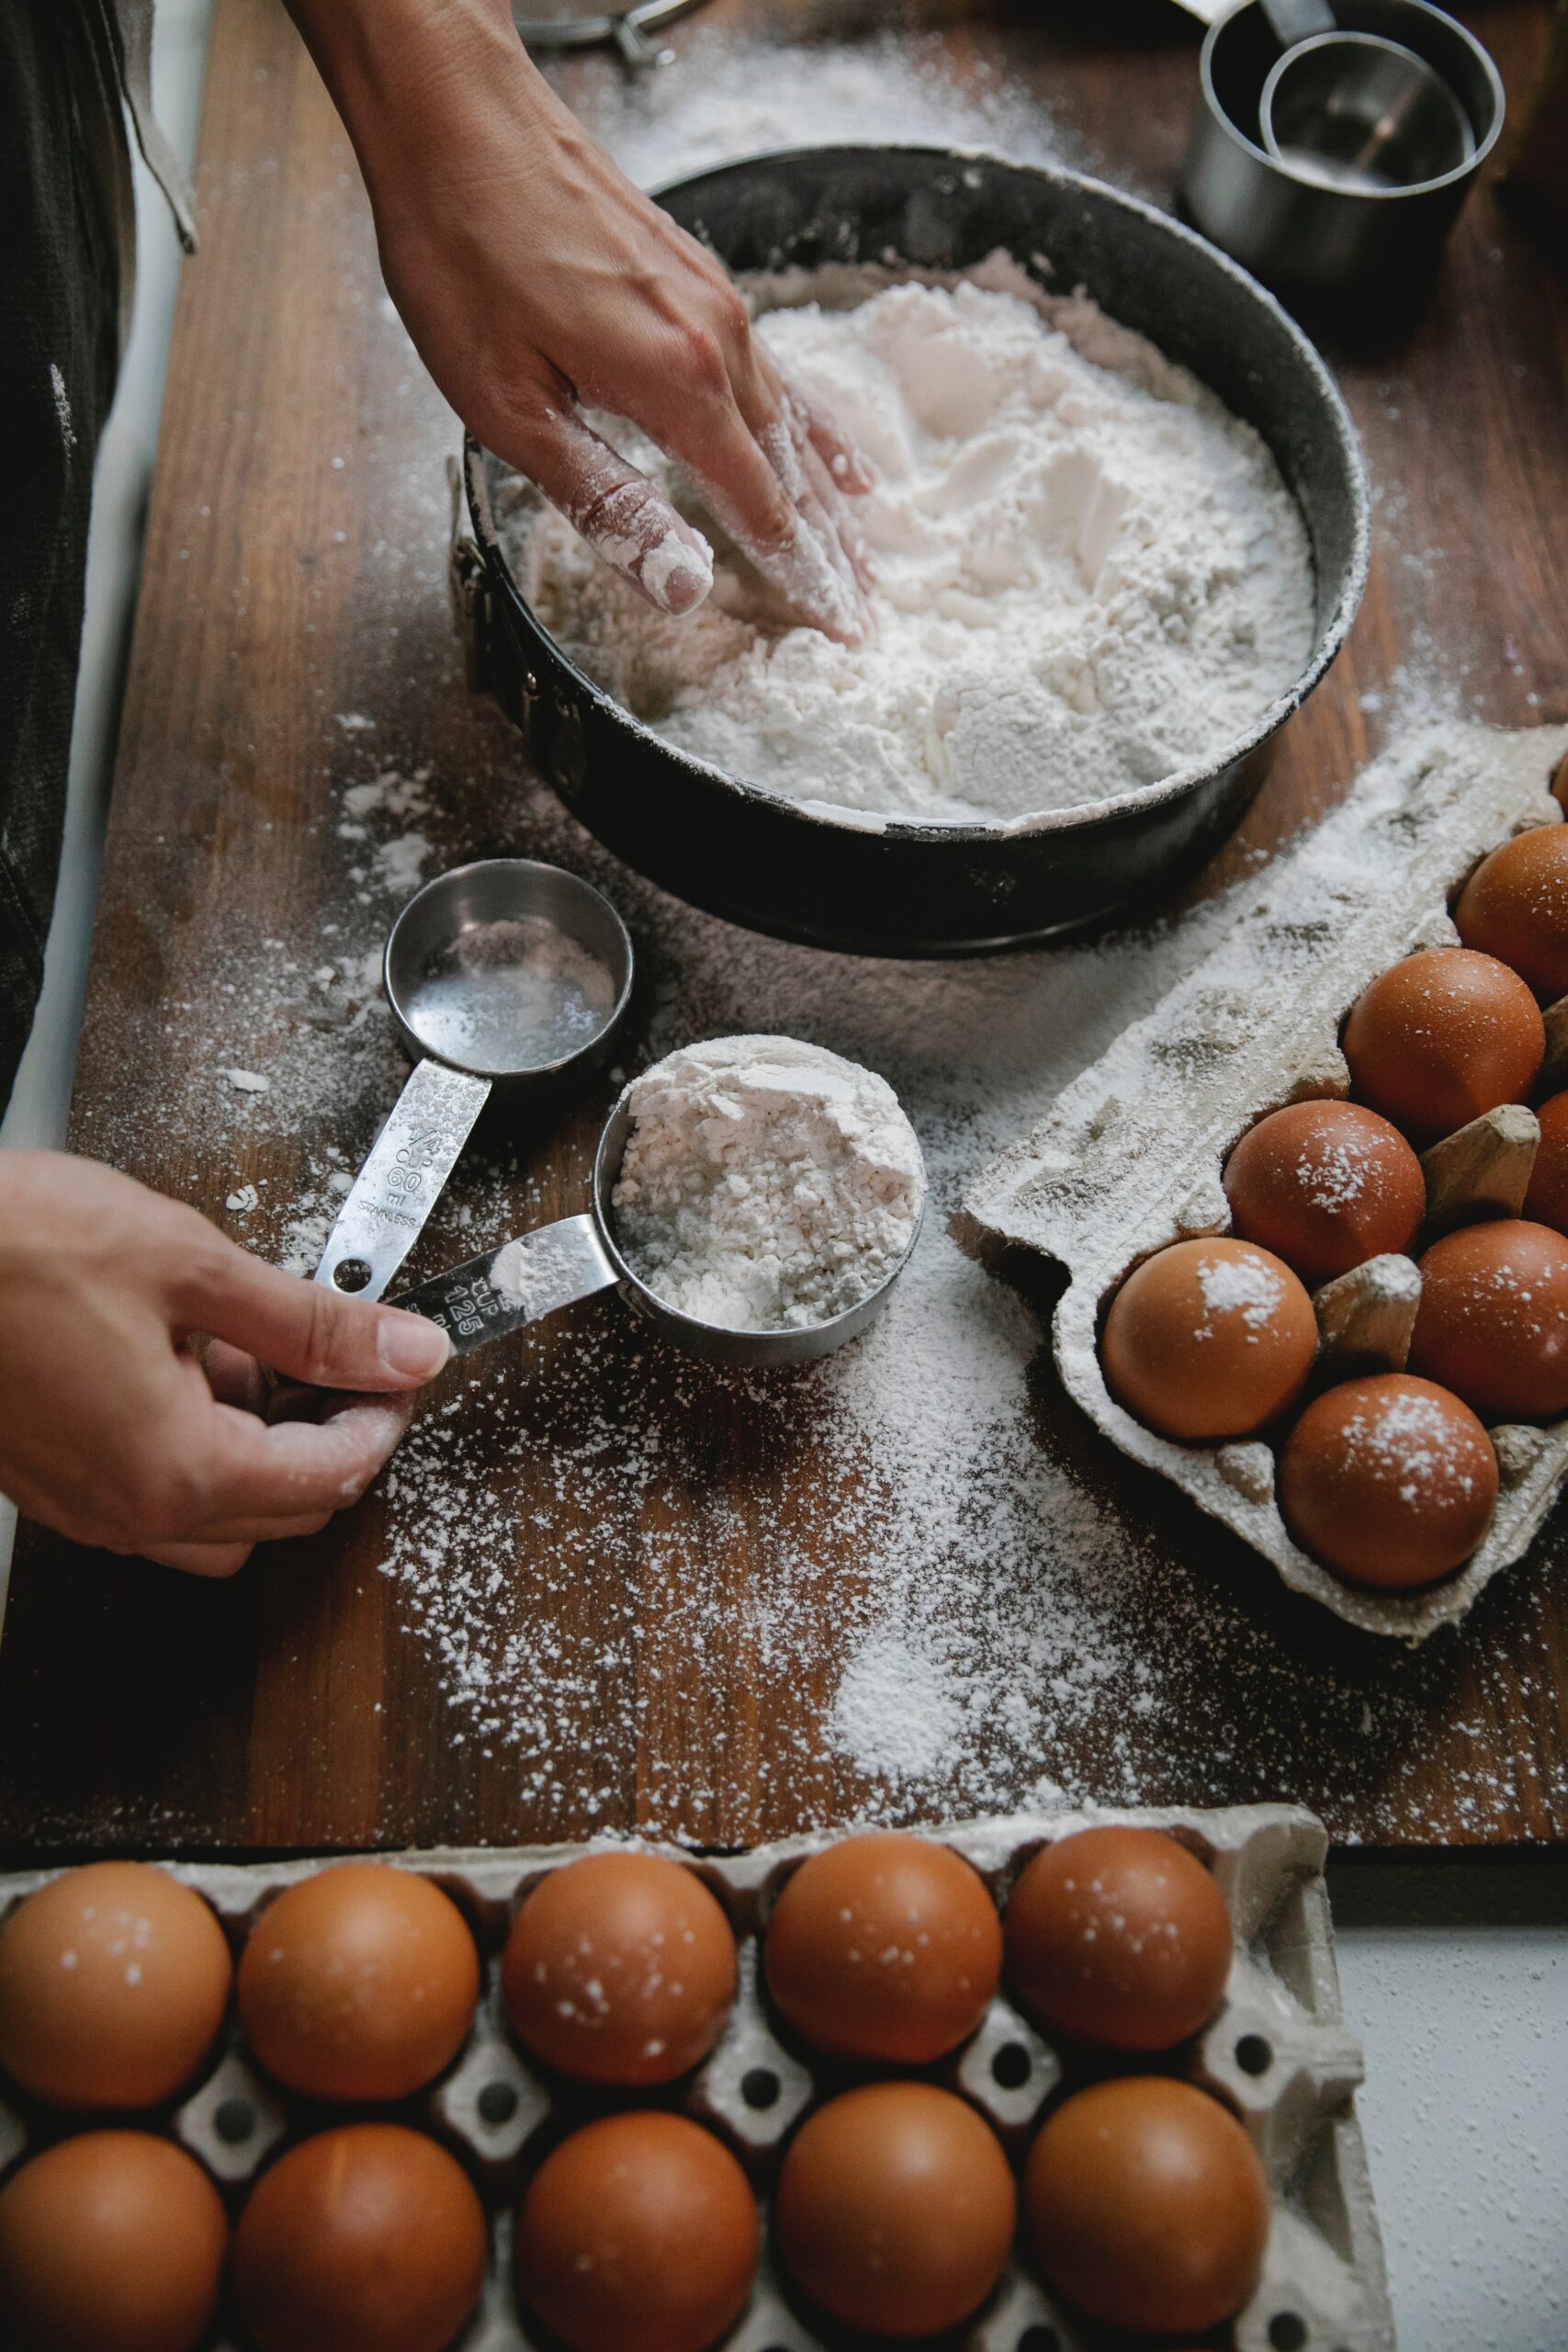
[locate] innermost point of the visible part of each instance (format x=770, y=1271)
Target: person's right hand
x=114, y=1434
x=537, y=281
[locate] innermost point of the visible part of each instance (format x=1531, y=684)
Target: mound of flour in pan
x=766, y=1184
x=1090, y=574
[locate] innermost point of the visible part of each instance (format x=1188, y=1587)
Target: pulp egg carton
x=1277, y=2052
x=1129, y=1157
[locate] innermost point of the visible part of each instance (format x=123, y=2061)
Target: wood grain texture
x=284, y=591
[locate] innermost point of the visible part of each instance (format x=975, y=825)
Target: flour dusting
x=518, y=993
x=1244, y=1286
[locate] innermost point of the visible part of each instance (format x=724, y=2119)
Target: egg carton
x=1277, y=2052
x=1129, y=1157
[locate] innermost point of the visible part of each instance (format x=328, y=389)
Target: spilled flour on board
x=941, y=1591
x=944, y=1598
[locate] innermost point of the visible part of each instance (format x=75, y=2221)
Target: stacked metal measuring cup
x=1334, y=140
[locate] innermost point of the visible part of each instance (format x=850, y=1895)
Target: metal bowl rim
x=534, y=1070
x=1084, y=816
x=1466, y=170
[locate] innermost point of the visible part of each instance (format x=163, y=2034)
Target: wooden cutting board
x=298, y=740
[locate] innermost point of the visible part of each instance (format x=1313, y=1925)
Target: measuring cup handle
x=506, y=1288
x=1291, y=21
x=402, y=1179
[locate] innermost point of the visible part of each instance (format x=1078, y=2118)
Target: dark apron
x=62, y=142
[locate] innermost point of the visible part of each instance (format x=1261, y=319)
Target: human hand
x=536, y=280
x=112, y=1431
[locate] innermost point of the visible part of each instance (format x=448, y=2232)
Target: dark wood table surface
x=292, y=644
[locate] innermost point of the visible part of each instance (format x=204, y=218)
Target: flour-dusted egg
x=1515, y=905
x=1546, y=1202
x=110, y=2241
x=114, y=1979
x=1441, y=1037
x=1119, y=1936
x=1493, y=1323
x=638, y=2233
x=358, y=1983
x=896, y=2209
x=369, y=2238
x=1391, y=1481
x=1325, y=1186
x=1146, y=2205
x=1209, y=1339
x=886, y=1946
x=620, y=1968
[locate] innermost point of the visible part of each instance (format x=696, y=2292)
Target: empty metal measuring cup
x=493, y=975
x=1356, y=110
x=1306, y=226
x=554, y=1266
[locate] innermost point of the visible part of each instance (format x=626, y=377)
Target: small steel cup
x=1355, y=112
x=415, y=1152
x=555, y=1265
x=1300, y=232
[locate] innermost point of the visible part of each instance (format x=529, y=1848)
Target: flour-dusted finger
x=738, y=443
x=256, y=1477
x=850, y=468
x=303, y=1329
x=625, y=518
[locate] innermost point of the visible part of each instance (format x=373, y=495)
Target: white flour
x=1089, y=575
x=728, y=97
x=767, y=1185
x=516, y=994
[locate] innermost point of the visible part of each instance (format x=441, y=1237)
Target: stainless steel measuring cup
x=554, y=1266
x=1355, y=111
x=459, y=1064
x=1295, y=224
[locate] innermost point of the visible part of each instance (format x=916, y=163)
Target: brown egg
x=114, y=1979
x=1209, y=1339
x=620, y=1968
x=1546, y=1202
x=1560, y=780
x=1493, y=1323
x=1390, y=1481
x=366, y=2239
x=896, y=2209
x=1325, y=1186
x=886, y=1946
x=358, y=1981
x=1146, y=2205
x=639, y=2234
x=1441, y=1037
x=1118, y=1937
x=1515, y=905
x=111, y=2241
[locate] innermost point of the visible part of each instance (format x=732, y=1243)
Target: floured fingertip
x=677, y=573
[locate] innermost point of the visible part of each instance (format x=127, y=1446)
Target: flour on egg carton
x=1277, y=2051
x=1129, y=1157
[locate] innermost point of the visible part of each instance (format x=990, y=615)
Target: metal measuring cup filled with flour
x=754, y=1197
x=505, y=978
